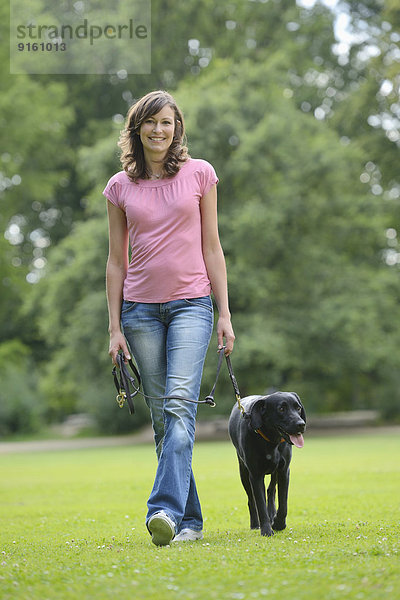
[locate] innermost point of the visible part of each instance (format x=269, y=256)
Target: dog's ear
x=257, y=413
x=303, y=412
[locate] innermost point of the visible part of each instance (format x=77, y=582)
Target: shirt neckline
x=165, y=181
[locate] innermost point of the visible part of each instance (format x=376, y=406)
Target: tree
x=311, y=295
x=272, y=106
x=371, y=112
x=34, y=118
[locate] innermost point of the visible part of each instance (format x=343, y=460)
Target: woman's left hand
x=225, y=331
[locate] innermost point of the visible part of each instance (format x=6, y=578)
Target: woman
x=165, y=203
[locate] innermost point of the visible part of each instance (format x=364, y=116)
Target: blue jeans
x=169, y=342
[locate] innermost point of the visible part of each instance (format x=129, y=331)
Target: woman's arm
x=117, y=265
x=216, y=268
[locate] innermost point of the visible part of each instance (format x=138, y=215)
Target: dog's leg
x=283, y=490
x=244, y=476
x=258, y=487
x=271, y=497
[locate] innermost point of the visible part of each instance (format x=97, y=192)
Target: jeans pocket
x=203, y=302
x=127, y=305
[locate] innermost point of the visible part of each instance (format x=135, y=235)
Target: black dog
x=263, y=436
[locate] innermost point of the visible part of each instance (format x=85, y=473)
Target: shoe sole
x=161, y=532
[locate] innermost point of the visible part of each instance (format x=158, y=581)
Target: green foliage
x=34, y=121
x=81, y=514
x=314, y=302
x=11, y=290
x=33, y=165
x=21, y=407
x=371, y=113
x=309, y=290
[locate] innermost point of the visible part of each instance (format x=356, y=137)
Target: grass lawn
x=72, y=526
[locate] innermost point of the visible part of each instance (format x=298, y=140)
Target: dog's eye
x=299, y=409
x=282, y=408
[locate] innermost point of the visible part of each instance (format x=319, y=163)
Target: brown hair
x=132, y=155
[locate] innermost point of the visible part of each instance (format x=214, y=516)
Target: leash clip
x=240, y=405
x=121, y=397
x=210, y=401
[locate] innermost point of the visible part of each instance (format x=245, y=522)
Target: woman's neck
x=154, y=166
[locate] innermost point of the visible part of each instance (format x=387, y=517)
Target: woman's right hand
x=117, y=343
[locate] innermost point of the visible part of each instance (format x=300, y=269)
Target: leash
x=237, y=393
x=127, y=381
x=233, y=380
x=128, y=388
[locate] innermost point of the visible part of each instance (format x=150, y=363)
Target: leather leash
x=127, y=381
x=237, y=395
x=127, y=387
x=233, y=380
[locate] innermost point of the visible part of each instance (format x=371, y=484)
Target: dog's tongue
x=297, y=440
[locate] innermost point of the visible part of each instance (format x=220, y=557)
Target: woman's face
x=157, y=132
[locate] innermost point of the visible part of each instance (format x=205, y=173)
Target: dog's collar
x=267, y=439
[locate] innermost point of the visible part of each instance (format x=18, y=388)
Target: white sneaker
x=162, y=528
x=188, y=535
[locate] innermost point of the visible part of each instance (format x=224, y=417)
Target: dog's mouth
x=296, y=439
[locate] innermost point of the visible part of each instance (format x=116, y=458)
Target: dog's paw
x=267, y=531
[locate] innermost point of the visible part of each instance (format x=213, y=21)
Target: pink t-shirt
x=164, y=224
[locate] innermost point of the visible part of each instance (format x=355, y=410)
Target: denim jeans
x=169, y=342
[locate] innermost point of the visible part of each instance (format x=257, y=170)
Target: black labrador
x=263, y=436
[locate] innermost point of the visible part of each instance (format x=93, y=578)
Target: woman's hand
x=225, y=331
x=117, y=343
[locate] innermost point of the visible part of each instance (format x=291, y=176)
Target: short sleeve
x=209, y=177
x=112, y=192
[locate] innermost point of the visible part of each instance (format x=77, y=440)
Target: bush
x=21, y=408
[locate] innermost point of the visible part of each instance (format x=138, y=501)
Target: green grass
x=72, y=527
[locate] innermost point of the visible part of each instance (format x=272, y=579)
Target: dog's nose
x=301, y=426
